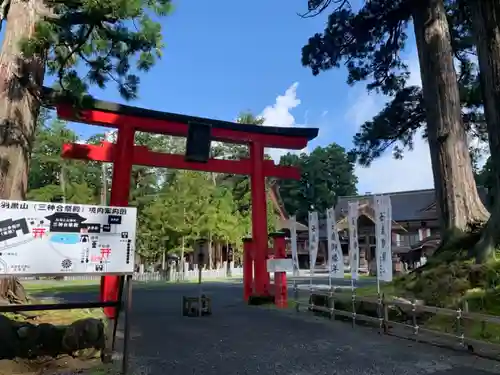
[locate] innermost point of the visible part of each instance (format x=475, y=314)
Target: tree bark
x=456, y=192
x=485, y=16
x=210, y=250
x=12, y=291
x=19, y=109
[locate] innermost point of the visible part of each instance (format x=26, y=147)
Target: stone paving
x=239, y=339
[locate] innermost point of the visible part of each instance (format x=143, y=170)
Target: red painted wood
x=157, y=126
x=280, y=285
x=143, y=156
x=125, y=154
x=120, y=186
x=247, y=269
x=259, y=219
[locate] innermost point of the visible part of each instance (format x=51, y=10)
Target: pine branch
x=82, y=18
x=316, y=7
x=4, y=10
x=101, y=36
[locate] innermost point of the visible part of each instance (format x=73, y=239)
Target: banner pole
x=376, y=203
x=329, y=245
x=313, y=244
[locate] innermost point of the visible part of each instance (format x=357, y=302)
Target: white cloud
x=279, y=114
x=387, y=174
x=364, y=106
x=306, y=117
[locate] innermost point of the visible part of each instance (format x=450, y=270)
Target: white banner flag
x=335, y=258
x=353, y=238
x=383, y=228
x=293, y=242
x=313, y=239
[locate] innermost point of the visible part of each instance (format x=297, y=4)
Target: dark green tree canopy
x=395, y=125
x=327, y=173
x=369, y=42
x=94, y=42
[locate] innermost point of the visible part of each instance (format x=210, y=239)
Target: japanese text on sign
x=37, y=206
x=44, y=238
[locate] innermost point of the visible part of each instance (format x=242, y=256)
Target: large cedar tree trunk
x=19, y=109
x=486, y=26
x=12, y=291
x=456, y=192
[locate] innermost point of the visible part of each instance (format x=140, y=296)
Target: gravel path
x=239, y=339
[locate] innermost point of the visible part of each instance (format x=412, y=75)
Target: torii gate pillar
x=127, y=120
x=120, y=190
x=259, y=219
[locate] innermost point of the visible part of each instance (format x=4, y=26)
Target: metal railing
x=343, y=303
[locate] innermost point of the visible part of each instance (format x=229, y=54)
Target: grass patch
x=474, y=300
x=62, y=286
x=51, y=340
x=386, y=290
x=92, y=286
x=56, y=317
x=348, y=276
x=452, y=279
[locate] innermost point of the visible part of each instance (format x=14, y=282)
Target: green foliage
x=450, y=273
x=74, y=193
x=370, y=43
x=393, y=127
x=174, y=207
x=48, y=169
x=177, y=207
x=93, y=42
x=327, y=173
x=247, y=117
x=239, y=184
x=447, y=284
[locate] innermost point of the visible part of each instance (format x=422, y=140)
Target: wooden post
x=259, y=219
x=247, y=268
x=201, y=259
x=386, y=314
x=280, y=284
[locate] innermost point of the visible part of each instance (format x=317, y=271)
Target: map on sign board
x=39, y=238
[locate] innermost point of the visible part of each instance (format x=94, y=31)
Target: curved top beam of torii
x=115, y=115
x=124, y=154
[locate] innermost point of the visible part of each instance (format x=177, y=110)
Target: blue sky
x=223, y=57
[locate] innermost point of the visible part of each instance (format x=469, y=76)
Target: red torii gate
x=199, y=132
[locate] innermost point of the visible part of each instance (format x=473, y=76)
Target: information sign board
x=40, y=238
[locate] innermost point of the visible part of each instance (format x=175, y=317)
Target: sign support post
x=57, y=239
x=126, y=333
